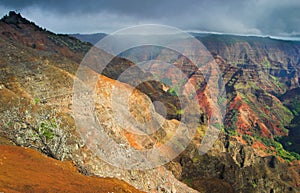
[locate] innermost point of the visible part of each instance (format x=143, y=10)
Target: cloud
x=268, y=17
x=74, y=23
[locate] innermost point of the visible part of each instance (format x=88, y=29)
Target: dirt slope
x=26, y=170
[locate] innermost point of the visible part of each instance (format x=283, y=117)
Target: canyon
x=256, y=150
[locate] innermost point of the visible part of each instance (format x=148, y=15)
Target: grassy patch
x=276, y=81
x=266, y=63
x=172, y=91
x=295, y=106
x=279, y=150
x=248, y=139
x=46, y=128
x=36, y=101
x=188, y=182
x=231, y=126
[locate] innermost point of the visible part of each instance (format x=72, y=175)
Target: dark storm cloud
x=270, y=17
x=133, y=7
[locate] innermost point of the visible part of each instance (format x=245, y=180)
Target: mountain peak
x=15, y=19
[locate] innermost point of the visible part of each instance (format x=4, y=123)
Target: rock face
x=233, y=167
x=36, y=86
x=254, y=114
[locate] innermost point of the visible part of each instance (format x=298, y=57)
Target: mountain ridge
x=93, y=38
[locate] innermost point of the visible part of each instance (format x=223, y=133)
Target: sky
x=249, y=17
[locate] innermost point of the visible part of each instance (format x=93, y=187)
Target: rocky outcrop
x=233, y=167
x=15, y=28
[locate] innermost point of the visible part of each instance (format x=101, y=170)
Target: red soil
x=26, y=170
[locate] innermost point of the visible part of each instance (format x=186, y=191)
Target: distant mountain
x=91, y=38
x=257, y=71
x=95, y=37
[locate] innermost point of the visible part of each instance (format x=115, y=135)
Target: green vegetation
x=246, y=99
x=278, y=110
x=195, y=159
x=40, y=129
x=248, y=85
x=46, y=128
x=172, y=92
x=74, y=44
x=231, y=132
x=282, y=113
x=266, y=63
x=291, y=142
x=295, y=106
x=36, y=101
x=248, y=139
x=276, y=81
x=296, y=155
x=231, y=82
x=231, y=127
x=218, y=126
x=222, y=100
x=280, y=151
x=180, y=112
x=188, y=182
x=254, y=184
x=201, y=130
